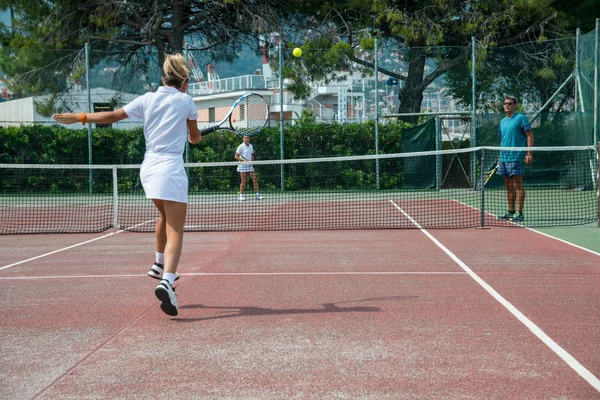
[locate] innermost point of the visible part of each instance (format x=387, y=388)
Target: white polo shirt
x=245, y=151
x=164, y=114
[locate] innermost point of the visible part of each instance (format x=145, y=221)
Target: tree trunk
x=411, y=95
x=172, y=42
x=176, y=38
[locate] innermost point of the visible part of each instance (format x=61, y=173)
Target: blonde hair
x=176, y=70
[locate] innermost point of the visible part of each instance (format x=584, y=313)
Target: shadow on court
x=259, y=311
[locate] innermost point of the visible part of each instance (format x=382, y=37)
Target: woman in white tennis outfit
x=245, y=153
x=167, y=116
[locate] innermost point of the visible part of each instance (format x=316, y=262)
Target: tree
x=579, y=14
x=533, y=71
x=133, y=32
x=422, y=31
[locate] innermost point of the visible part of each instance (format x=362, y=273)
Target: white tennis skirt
x=244, y=167
x=163, y=177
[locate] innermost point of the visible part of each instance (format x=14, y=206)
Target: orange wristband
x=82, y=118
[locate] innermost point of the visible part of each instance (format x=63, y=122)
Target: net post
x=473, y=106
x=376, y=115
x=596, y=85
x=115, y=199
x=481, y=175
x=89, y=110
x=281, y=124
x=438, y=157
x=186, y=56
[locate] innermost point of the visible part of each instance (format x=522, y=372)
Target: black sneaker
x=518, y=217
x=166, y=294
x=156, y=271
x=506, y=217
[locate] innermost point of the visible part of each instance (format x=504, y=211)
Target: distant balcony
x=244, y=82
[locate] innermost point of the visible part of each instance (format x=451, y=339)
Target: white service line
x=564, y=241
x=69, y=247
x=323, y=273
x=8, y=278
x=27, y=278
x=562, y=353
x=536, y=231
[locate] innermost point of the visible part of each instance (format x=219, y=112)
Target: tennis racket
x=491, y=173
x=248, y=116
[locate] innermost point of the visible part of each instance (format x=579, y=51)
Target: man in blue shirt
x=514, y=131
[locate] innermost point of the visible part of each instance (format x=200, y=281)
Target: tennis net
x=434, y=189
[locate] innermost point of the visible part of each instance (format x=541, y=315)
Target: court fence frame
x=583, y=86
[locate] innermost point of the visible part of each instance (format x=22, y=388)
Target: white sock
x=170, y=277
x=160, y=258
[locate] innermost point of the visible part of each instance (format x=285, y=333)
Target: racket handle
x=206, y=131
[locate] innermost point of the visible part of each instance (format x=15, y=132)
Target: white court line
x=8, y=278
x=24, y=278
x=323, y=273
x=562, y=353
x=70, y=247
x=541, y=233
x=564, y=241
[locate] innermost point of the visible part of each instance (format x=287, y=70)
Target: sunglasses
x=508, y=104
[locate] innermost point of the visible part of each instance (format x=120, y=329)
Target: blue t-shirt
x=512, y=134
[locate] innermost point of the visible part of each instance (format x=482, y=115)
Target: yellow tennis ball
x=297, y=52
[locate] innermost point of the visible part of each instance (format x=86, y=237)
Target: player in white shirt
x=167, y=115
x=245, y=153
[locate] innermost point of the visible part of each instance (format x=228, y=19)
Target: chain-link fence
x=326, y=102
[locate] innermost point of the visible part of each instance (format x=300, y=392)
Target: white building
x=23, y=111
x=342, y=101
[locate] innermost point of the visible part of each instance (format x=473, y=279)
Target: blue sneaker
x=518, y=217
x=506, y=217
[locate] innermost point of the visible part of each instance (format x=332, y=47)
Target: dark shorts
x=509, y=169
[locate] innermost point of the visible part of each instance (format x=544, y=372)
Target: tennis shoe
x=156, y=271
x=506, y=217
x=242, y=198
x=166, y=294
x=259, y=197
x=518, y=217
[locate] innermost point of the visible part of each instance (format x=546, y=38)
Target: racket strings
x=252, y=115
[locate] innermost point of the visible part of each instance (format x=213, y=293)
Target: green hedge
x=57, y=145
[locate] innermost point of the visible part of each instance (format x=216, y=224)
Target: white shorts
x=163, y=177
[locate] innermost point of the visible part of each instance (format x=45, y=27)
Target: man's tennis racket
x=491, y=173
x=248, y=116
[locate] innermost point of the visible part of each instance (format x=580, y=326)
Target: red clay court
x=447, y=314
